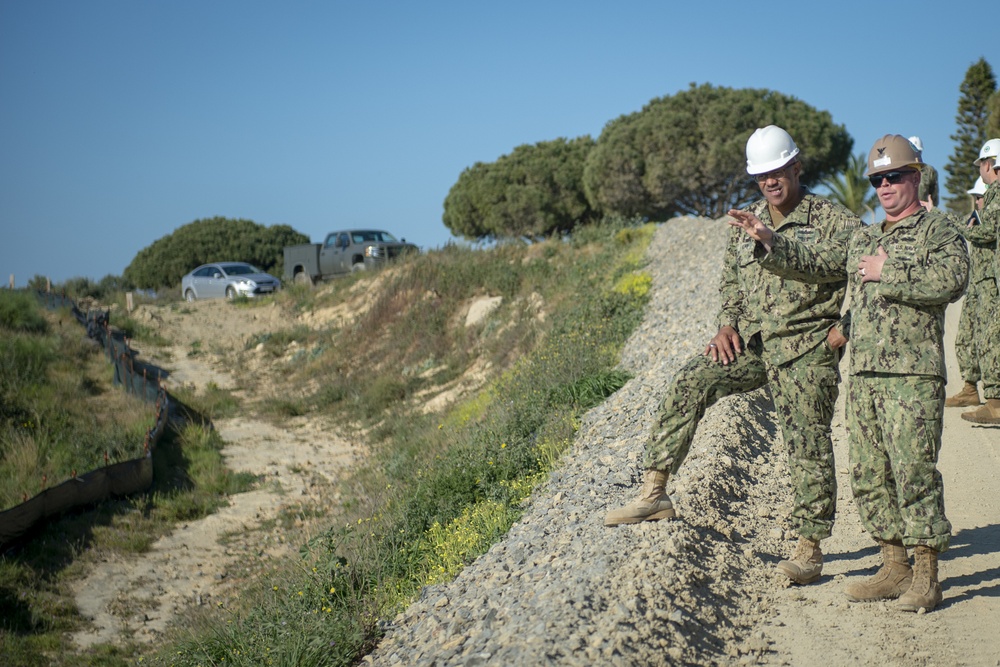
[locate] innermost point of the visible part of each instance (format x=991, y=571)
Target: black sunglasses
x=894, y=177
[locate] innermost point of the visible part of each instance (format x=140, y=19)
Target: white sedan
x=229, y=280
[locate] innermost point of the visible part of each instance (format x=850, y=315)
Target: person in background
x=772, y=332
x=928, y=177
x=903, y=273
x=982, y=237
x=973, y=323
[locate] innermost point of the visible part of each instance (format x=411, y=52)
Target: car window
x=239, y=269
x=204, y=271
x=343, y=241
x=385, y=237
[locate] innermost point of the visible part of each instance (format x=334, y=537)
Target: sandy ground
x=799, y=625
x=198, y=562
x=816, y=625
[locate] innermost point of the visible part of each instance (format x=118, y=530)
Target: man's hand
x=752, y=225
x=835, y=339
x=724, y=346
x=870, y=266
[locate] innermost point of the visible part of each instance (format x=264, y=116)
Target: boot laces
x=804, y=551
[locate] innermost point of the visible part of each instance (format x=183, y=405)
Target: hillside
x=561, y=588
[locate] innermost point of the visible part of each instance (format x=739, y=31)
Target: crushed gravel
x=561, y=588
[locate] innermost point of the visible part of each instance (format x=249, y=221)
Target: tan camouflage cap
x=892, y=152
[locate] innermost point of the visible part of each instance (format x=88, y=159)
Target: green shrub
x=20, y=311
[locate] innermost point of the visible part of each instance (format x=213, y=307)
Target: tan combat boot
x=806, y=564
x=652, y=504
x=892, y=579
x=988, y=414
x=925, y=591
x=967, y=397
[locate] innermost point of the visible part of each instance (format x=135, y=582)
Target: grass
x=61, y=412
x=439, y=489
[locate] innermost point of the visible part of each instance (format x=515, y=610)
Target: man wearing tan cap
x=902, y=274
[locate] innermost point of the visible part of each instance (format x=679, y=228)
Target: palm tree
x=851, y=188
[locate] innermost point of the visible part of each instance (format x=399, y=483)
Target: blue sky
x=122, y=120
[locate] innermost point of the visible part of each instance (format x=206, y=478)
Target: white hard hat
x=990, y=149
x=979, y=189
x=769, y=148
x=919, y=145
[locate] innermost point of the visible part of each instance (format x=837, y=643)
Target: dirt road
x=296, y=463
x=796, y=625
x=816, y=625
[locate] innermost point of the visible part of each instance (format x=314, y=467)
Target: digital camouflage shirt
x=793, y=317
x=985, y=234
x=928, y=184
x=896, y=325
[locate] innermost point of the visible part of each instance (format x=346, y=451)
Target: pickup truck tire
x=189, y=295
x=359, y=266
x=303, y=278
x=230, y=292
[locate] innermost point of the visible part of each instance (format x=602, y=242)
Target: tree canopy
x=851, y=188
x=535, y=191
x=973, y=110
x=166, y=260
x=685, y=154
x=993, y=122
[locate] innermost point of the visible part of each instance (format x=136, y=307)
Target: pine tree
x=993, y=123
x=973, y=112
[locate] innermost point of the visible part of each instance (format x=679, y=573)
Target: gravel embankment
x=563, y=589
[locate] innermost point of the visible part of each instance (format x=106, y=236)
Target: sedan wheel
x=230, y=292
x=189, y=296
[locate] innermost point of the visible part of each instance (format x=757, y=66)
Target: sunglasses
x=894, y=177
x=773, y=175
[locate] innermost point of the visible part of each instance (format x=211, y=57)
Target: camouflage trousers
x=804, y=392
x=978, y=353
x=988, y=342
x=894, y=430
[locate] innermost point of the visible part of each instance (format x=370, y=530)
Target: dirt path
x=196, y=563
x=815, y=624
x=798, y=625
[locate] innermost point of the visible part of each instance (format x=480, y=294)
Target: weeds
x=440, y=489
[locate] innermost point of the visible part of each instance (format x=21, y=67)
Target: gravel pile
x=562, y=589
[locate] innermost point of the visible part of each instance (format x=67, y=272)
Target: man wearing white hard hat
x=982, y=239
x=771, y=332
x=928, y=178
x=970, y=341
x=903, y=273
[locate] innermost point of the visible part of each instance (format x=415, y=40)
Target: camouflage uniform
x=928, y=184
x=895, y=396
x=979, y=310
x=985, y=281
x=783, y=324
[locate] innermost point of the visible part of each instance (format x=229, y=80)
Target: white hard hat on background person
x=919, y=145
x=769, y=148
x=990, y=149
x=979, y=189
